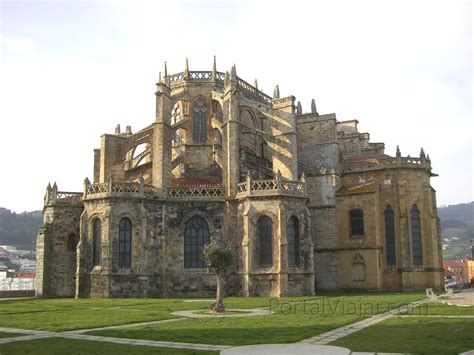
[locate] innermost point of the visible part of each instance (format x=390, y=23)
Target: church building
x=305, y=201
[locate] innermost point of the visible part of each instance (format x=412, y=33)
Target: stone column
x=161, y=146
x=230, y=137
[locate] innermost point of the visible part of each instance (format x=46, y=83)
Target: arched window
x=196, y=235
x=200, y=124
x=176, y=114
x=125, y=243
x=265, y=226
x=356, y=223
x=390, y=248
x=96, y=239
x=71, y=242
x=293, y=231
x=416, y=236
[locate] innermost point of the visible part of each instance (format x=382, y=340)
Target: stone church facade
x=305, y=201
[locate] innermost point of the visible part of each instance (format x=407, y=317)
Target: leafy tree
x=218, y=259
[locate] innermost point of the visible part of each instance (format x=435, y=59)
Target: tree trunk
x=218, y=306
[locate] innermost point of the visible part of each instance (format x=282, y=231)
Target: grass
x=10, y=335
x=295, y=319
x=71, y=314
x=432, y=309
x=60, y=346
x=420, y=335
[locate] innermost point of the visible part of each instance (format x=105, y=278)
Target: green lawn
x=10, y=335
x=295, y=319
x=419, y=335
x=72, y=314
x=60, y=346
x=441, y=309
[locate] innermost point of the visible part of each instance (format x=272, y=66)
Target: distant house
x=462, y=272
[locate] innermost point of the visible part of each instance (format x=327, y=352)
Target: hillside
x=19, y=229
x=457, y=229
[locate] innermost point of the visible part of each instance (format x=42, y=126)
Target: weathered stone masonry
x=301, y=198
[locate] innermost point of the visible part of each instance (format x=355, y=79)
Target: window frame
x=125, y=239
x=196, y=236
x=416, y=237
x=293, y=239
x=265, y=241
x=390, y=237
x=96, y=241
x=356, y=223
x=200, y=121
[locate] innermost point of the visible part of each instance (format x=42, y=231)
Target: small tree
x=218, y=259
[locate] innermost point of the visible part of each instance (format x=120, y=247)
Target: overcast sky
x=72, y=70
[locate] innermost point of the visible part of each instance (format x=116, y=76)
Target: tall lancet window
x=125, y=243
x=96, y=239
x=265, y=227
x=200, y=123
x=390, y=248
x=293, y=231
x=416, y=236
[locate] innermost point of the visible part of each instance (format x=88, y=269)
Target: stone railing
x=55, y=197
x=253, y=90
x=207, y=76
x=271, y=187
x=389, y=162
x=197, y=193
x=118, y=189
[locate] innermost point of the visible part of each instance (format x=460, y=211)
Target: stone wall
x=56, y=251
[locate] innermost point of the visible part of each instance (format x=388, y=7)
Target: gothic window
x=96, y=239
x=196, y=235
x=265, y=226
x=416, y=236
x=200, y=123
x=390, y=247
x=217, y=109
x=177, y=138
x=176, y=114
x=293, y=242
x=125, y=243
x=356, y=222
x=71, y=242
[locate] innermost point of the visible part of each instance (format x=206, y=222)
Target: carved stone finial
x=398, y=154
x=422, y=153
x=87, y=181
x=226, y=78
x=255, y=84
x=299, y=108
x=313, y=107
x=303, y=177
x=428, y=158
x=128, y=130
x=117, y=129
x=276, y=92
x=165, y=71
x=233, y=73
x=48, y=188
x=214, y=70
x=186, y=70
x=55, y=187
x=159, y=78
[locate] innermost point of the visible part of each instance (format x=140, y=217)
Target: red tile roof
x=184, y=183
x=25, y=275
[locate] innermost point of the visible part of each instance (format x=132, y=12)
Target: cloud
x=23, y=45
